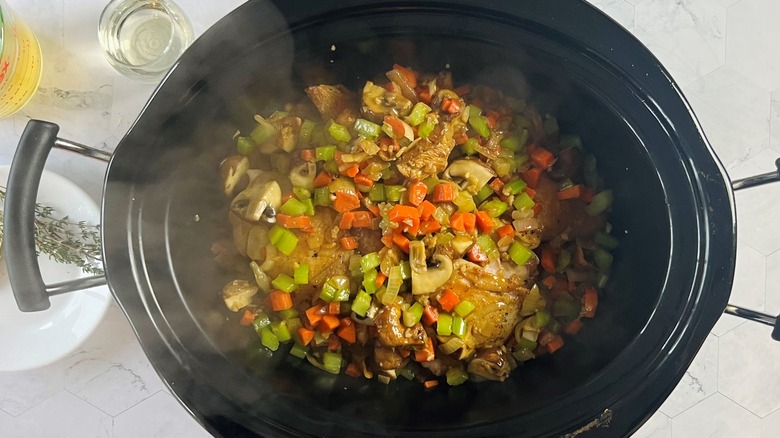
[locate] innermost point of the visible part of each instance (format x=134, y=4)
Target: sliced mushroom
x=424, y=279
x=238, y=294
x=474, y=173
x=303, y=175
x=251, y=204
x=491, y=363
x=378, y=102
x=233, y=169
x=288, y=133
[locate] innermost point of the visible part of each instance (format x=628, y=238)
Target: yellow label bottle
x=20, y=62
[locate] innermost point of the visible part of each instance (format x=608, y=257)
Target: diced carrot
x=463, y=90
x=345, y=321
x=477, y=255
x=294, y=222
x=351, y=171
x=452, y=106
x=496, y=184
x=484, y=222
x=492, y=119
x=537, y=208
x=347, y=218
x=416, y=193
x=397, y=125
x=347, y=333
x=401, y=242
x=426, y=209
x=307, y=154
x=348, y=242
x=469, y=222
x=571, y=192
x=323, y=179
x=333, y=343
x=247, y=318
x=532, y=176
x=424, y=94
x=328, y=323
x=460, y=138
x=555, y=343
x=280, y=300
x=426, y=354
x=314, y=314
x=548, y=259
x=448, y=300
x=305, y=335
x=443, y=192
x=352, y=370
x=549, y=281
x=429, y=226
x=337, y=157
x=380, y=279
x=542, y=158
x=404, y=352
x=287, y=196
x=430, y=315
x=387, y=239
x=587, y=194
x=408, y=74
x=389, y=144
x=590, y=302
x=345, y=201
x=400, y=212
x=573, y=327
x=506, y=230
x=457, y=222
x=362, y=219
x=334, y=308
x=372, y=208
x=430, y=384
x=530, y=192
x=363, y=180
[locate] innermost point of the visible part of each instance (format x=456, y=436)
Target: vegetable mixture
x=415, y=229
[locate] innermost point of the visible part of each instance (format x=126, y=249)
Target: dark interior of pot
x=236, y=71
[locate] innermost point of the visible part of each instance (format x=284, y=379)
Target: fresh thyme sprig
x=73, y=243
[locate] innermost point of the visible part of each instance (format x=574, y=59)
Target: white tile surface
x=725, y=54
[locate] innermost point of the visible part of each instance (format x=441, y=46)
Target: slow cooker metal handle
x=24, y=178
x=744, y=183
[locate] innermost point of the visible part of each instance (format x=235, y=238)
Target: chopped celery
x=269, y=339
x=245, y=145
x=279, y=329
x=275, y=234
x=569, y=309
x=564, y=260
x=550, y=125
x=286, y=243
x=331, y=167
x=305, y=132
x=369, y=281
x=470, y=146
x=261, y=320
x=413, y=314
x=495, y=208
x=526, y=344
x=284, y=282
x=367, y=129
x=406, y=270
x=605, y=240
x=394, y=193
x=328, y=292
x=519, y=253
x=451, y=346
x=339, y=132
x=464, y=308
x=322, y=196
x=570, y=141
x=369, y=261
x=377, y=192
x=478, y=121
x=589, y=173
x=514, y=187
x=293, y=207
x=419, y=111
x=325, y=153
x=600, y=203
x=331, y=362
x=458, y=326
x=288, y=313
x=484, y=193
x=309, y=207
x=488, y=246
x=361, y=303
x=431, y=182
x=523, y=201
x=426, y=127
x=464, y=201
x=298, y=350
x=301, y=274
x=444, y=324
x=541, y=319
x=603, y=259
x=342, y=295
x=456, y=376
x=301, y=193
x=263, y=132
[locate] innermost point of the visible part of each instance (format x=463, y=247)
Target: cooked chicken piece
x=564, y=217
x=429, y=156
x=393, y=333
x=368, y=240
x=388, y=358
x=332, y=100
x=497, y=296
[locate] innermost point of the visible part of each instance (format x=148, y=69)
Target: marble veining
x=725, y=54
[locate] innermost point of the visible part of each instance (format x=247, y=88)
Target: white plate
x=32, y=340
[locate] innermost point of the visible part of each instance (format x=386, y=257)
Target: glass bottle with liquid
x=20, y=62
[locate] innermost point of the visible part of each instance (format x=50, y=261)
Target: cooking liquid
x=20, y=63
x=145, y=39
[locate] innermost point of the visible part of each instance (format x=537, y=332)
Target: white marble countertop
x=724, y=53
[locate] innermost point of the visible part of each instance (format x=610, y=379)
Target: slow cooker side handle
x=744, y=183
x=24, y=178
